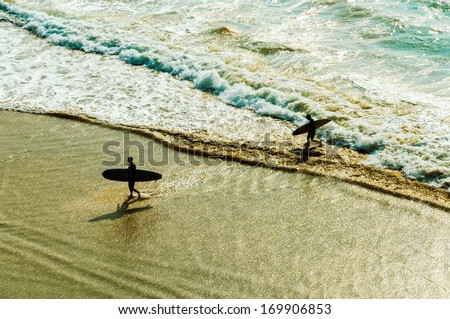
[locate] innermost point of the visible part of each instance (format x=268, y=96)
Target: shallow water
x=380, y=70
x=220, y=230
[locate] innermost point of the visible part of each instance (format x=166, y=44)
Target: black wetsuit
x=311, y=130
x=132, y=181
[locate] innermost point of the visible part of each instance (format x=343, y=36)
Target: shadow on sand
x=121, y=211
x=305, y=153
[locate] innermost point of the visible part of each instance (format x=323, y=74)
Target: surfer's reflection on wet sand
x=122, y=210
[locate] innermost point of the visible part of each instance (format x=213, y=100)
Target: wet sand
x=291, y=156
x=209, y=229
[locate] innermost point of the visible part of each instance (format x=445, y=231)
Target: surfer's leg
x=138, y=192
x=131, y=188
x=309, y=139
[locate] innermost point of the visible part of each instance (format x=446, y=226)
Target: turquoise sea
x=379, y=69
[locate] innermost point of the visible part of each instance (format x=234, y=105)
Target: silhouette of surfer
x=132, y=181
x=311, y=130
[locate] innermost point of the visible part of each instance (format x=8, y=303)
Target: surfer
x=311, y=129
x=132, y=169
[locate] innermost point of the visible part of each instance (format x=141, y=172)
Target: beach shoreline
x=328, y=160
x=208, y=229
x=208, y=95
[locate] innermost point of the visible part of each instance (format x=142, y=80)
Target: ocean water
x=238, y=70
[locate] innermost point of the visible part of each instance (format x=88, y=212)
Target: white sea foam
x=42, y=78
x=278, y=70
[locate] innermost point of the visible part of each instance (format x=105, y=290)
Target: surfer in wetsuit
x=132, y=169
x=311, y=129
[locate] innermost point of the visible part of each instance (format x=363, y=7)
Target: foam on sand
x=221, y=230
x=327, y=160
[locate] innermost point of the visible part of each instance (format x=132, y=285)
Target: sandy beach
x=291, y=155
x=211, y=228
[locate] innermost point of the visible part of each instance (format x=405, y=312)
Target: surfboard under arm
x=124, y=175
x=304, y=128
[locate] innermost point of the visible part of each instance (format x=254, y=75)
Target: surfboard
x=304, y=128
x=124, y=175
